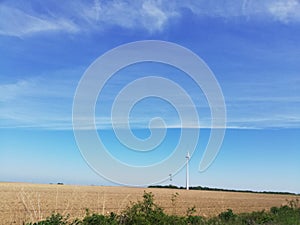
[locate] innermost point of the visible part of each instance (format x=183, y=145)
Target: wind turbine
x=187, y=170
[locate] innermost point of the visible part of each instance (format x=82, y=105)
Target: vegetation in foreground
x=147, y=212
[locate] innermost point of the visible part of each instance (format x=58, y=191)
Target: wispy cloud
x=150, y=15
x=285, y=10
x=11, y=91
x=46, y=100
x=282, y=10
x=15, y=22
x=44, y=103
x=41, y=101
x=38, y=87
x=72, y=17
x=264, y=122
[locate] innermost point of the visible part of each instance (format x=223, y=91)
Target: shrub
x=143, y=212
x=261, y=217
x=227, y=216
x=54, y=219
x=96, y=219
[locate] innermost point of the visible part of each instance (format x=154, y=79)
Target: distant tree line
x=221, y=189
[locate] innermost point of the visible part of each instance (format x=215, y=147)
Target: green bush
x=227, y=216
x=54, y=219
x=96, y=219
x=143, y=212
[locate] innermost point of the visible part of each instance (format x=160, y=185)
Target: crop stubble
x=31, y=202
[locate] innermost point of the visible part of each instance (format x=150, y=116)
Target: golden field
x=21, y=202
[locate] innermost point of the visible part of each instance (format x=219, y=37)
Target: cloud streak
x=285, y=11
x=34, y=103
x=16, y=22
x=41, y=101
x=45, y=102
x=150, y=15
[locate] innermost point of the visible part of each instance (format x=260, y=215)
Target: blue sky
x=252, y=47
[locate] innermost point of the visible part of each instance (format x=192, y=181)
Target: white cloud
x=11, y=91
x=45, y=103
x=15, y=22
x=37, y=87
x=264, y=122
x=150, y=15
x=41, y=101
x=154, y=16
x=279, y=10
x=285, y=11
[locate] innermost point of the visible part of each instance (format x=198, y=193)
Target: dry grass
x=21, y=202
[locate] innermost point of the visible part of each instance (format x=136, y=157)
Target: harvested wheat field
x=21, y=202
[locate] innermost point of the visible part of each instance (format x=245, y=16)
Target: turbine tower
x=187, y=170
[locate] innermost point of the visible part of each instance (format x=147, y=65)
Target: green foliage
x=96, y=219
x=147, y=212
x=194, y=220
x=143, y=212
x=54, y=219
x=261, y=217
x=227, y=216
